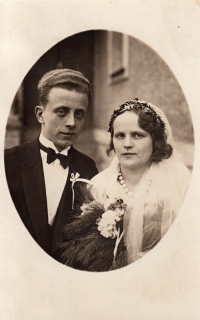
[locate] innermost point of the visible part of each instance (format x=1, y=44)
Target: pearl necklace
x=129, y=193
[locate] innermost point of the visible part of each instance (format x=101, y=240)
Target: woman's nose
x=128, y=143
x=70, y=120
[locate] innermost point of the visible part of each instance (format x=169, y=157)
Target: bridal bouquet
x=93, y=241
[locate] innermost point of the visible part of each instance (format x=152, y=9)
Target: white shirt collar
x=49, y=144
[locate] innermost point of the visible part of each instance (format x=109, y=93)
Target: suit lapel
x=74, y=165
x=34, y=189
x=63, y=215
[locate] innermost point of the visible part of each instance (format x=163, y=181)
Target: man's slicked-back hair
x=62, y=78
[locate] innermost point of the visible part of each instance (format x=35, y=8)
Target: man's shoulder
x=17, y=154
x=16, y=150
x=84, y=164
x=82, y=157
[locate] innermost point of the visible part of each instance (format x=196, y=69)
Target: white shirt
x=55, y=177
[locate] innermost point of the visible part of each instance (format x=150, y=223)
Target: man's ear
x=39, y=110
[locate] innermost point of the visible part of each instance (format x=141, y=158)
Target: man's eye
x=61, y=113
x=80, y=114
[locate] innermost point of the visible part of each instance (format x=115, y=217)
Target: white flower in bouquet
x=107, y=224
x=109, y=231
x=119, y=213
x=109, y=215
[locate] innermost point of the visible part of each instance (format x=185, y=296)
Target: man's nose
x=70, y=120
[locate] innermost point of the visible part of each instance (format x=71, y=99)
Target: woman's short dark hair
x=149, y=121
x=62, y=78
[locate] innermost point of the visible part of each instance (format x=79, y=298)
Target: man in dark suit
x=39, y=171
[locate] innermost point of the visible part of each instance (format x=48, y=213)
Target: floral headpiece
x=137, y=105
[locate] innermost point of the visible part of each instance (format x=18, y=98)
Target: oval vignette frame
x=128, y=65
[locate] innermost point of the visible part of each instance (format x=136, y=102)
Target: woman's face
x=133, y=145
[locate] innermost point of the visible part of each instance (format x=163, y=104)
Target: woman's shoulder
x=110, y=172
x=99, y=186
x=104, y=183
x=180, y=170
x=175, y=169
x=101, y=176
x=177, y=177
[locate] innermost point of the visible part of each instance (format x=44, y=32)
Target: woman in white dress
x=147, y=173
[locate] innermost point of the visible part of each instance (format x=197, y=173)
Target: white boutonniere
x=74, y=177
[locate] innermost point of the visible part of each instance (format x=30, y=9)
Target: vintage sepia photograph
x=99, y=105
x=100, y=162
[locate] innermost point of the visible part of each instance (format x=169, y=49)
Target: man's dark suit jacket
x=25, y=177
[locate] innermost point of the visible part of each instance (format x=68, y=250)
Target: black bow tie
x=52, y=156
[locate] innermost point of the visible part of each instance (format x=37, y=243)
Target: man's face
x=63, y=117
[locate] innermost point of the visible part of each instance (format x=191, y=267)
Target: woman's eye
x=119, y=135
x=138, y=135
